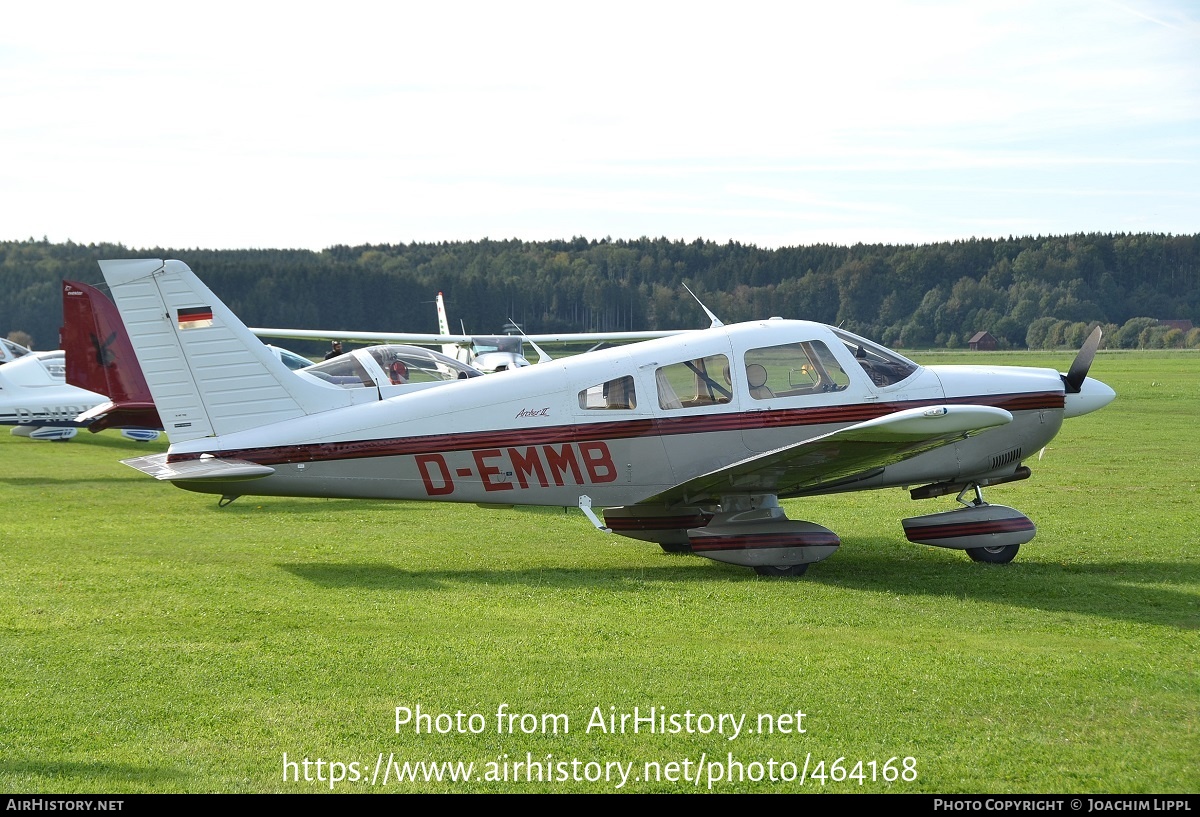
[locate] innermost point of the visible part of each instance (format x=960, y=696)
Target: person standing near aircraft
x=335, y=350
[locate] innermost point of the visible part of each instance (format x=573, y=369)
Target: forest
x=1028, y=292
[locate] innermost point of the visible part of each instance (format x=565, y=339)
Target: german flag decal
x=195, y=317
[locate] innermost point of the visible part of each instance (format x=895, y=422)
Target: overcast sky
x=306, y=125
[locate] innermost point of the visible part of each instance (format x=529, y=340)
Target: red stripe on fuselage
x=613, y=430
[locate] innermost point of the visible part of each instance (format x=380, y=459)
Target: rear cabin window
x=612, y=394
x=793, y=369
x=701, y=382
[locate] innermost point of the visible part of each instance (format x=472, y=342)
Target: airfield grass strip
x=153, y=642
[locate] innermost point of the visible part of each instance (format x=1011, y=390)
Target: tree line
x=1028, y=292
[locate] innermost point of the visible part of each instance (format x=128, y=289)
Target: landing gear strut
x=994, y=555
x=974, y=503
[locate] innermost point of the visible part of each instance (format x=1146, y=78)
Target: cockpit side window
x=612, y=394
x=793, y=369
x=704, y=381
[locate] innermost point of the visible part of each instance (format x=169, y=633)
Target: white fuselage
x=543, y=435
x=34, y=392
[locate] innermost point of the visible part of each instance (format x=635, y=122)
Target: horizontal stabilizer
x=205, y=468
x=124, y=415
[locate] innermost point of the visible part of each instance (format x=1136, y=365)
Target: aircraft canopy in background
x=10, y=351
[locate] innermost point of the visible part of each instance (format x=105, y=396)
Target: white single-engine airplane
x=487, y=353
x=686, y=441
x=36, y=400
x=51, y=395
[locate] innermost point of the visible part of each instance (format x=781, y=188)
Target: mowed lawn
x=151, y=641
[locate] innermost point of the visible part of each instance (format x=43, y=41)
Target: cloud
x=307, y=126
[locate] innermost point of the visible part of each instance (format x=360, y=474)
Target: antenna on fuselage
x=715, y=320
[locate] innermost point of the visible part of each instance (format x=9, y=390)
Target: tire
x=995, y=556
x=676, y=547
x=781, y=570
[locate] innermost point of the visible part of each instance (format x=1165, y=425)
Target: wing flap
x=207, y=468
x=846, y=455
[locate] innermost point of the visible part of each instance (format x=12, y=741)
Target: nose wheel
x=775, y=570
x=999, y=555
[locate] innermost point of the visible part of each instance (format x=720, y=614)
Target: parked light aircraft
x=36, y=400
x=49, y=395
x=687, y=441
x=487, y=353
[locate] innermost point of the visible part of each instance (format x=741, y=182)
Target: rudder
x=100, y=358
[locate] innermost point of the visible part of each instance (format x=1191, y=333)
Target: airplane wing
x=848, y=455
x=423, y=339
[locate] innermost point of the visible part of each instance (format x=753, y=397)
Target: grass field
x=153, y=642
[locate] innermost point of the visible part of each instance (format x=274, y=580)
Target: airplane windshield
x=401, y=364
x=497, y=343
x=412, y=364
x=344, y=371
x=883, y=366
x=290, y=359
x=13, y=350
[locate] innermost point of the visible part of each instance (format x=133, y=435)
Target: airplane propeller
x=1073, y=379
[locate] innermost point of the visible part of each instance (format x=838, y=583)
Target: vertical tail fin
x=443, y=323
x=208, y=374
x=448, y=349
x=100, y=358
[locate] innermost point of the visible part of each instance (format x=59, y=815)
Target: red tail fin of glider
x=100, y=358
